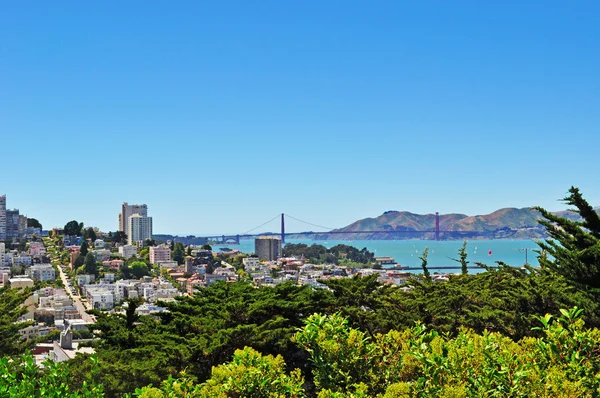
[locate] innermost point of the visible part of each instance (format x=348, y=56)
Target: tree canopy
x=33, y=223
x=73, y=228
x=573, y=249
x=11, y=309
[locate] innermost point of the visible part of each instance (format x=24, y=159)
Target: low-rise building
x=128, y=251
x=160, y=254
x=101, y=255
x=42, y=272
x=101, y=299
x=113, y=264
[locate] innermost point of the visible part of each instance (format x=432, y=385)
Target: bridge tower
x=282, y=228
x=437, y=225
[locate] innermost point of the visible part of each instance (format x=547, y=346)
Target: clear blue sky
x=219, y=115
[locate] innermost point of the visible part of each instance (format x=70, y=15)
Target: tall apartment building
x=139, y=228
x=22, y=225
x=267, y=247
x=3, y=217
x=127, y=211
x=12, y=223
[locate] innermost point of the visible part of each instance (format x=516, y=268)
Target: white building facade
x=140, y=229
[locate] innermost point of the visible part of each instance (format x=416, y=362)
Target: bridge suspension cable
x=262, y=225
x=308, y=223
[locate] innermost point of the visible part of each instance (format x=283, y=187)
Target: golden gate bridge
x=435, y=230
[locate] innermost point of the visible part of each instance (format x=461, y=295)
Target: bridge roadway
x=221, y=239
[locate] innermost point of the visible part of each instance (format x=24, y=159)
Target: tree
x=423, y=258
x=252, y=375
x=73, y=228
x=179, y=253
x=11, y=309
x=21, y=377
x=90, y=234
x=462, y=258
x=139, y=269
x=89, y=266
x=120, y=237
x=83, y=249
x=33, y=223
x=573, y=249
x=206, y=246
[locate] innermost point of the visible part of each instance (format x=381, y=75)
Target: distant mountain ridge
x=506, y=223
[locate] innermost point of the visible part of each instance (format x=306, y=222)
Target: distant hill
x=507, y=223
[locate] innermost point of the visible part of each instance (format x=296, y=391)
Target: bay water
x=407, y=252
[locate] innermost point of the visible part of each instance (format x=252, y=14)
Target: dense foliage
x=417, y=362
x=574, y=248
x=22, y=378
x=319, y=254
x=201, y=332
x=11, y=309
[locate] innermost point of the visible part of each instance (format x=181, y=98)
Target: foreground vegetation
x=475, y=335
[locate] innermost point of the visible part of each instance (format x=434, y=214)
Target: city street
x=81, y=307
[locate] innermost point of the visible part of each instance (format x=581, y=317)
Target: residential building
x=127, y=251
x=2, y=255
x=102, y=299
x=3, y=217
x=267, y=248
x=160, y=254
x=85, y=279
x=42, y=272
x=12, y=223
x=37, y=249
x=250, y=262
x=113, y=264
x=22, y=225
x=139, y=228
x=101, y=255
x=127, y=211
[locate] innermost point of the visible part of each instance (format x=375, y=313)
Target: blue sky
x=220, y=115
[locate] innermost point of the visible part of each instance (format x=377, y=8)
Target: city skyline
x=221, y=116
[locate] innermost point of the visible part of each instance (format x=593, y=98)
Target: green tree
x=84, y=248
x=573, y=249
x=253, y=375
x=462, y=259
x=11, y=309
x=89, y=265
x=139, y=269
x=21, y=377
x=89, y=233
x=73, y=228
x=33, y=223
x=206, y=246
x=120, y=237
x=179, y=253
x=423, y=258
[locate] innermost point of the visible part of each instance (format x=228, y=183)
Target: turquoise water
x=407, y=252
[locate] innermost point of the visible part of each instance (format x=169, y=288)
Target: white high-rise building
x=139, y=228
x=127, y=211
x=3, y=217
